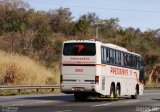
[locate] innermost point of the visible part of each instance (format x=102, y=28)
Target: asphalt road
x=149, y=102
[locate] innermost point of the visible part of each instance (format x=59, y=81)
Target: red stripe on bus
x=84, y=64
x=100, y=64
x=68, y=62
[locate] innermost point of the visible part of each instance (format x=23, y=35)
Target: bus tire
x=117, y=92
x=134, y=96
x=136, y=93
x=80, y=96
x=112, y=92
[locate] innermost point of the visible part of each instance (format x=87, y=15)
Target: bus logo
x=80, y=47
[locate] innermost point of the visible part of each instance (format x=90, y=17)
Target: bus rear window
x=79, y=49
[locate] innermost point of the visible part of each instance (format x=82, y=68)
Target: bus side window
x=117, y=57
x=128, y=60
x=141, y=68
x=137, y=60
x=111, y=57
x=122, y=59
x=131, y=60
x=125, y=59
x=107, y=52
x=104, y=56
x=102, y=59
x=139, y=63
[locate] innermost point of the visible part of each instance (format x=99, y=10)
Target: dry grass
x=21, y=70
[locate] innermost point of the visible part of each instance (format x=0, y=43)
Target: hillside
x=21, y=70
x=39, y=35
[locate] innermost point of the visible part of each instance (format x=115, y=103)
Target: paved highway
x=149, y=102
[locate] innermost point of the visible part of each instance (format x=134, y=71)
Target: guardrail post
x=19, y=91
x=37, y=90
x=52, y=89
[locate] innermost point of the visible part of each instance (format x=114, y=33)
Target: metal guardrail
x=151, y=87
x=36, y=87
x=52, y=87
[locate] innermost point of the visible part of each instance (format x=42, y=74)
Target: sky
x=143, y=14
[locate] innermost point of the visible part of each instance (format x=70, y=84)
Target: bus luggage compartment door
x=74, y=77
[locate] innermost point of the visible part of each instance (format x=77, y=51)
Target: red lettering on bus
x=78, y=70
x=118, y=71
x=85, y=58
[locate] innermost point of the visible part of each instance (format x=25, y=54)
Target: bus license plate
x=78, y=89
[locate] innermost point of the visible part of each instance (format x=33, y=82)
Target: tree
x=42, y=39
x=109, y=28
x=59, y=19
x=112, y=24
x=15, y=4
x=82, y=26
x=91, y=18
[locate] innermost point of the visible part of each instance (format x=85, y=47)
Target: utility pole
x=100, y=22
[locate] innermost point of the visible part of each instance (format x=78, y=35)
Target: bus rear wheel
x=136, y=93
x=117, y=94
x=112, y=92
x=80, y=96
x=134, y=96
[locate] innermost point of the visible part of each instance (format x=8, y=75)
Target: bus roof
x=76, y=41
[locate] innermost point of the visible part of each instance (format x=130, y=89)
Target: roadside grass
x=28, y=92
x=152, y=84
x=21, y=70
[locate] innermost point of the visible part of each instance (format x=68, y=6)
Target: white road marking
x=64, y=111
x=146, y=94
x=105, y=104
x=30, y=103
x=131, y=101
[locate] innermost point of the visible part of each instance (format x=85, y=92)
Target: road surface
x=149, y=102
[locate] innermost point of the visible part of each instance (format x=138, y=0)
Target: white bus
x=90, y=67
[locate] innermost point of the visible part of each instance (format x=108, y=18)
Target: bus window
x=122, y=58
x=104, y=55
x=114, y=57
x=117, y=59
x=111, y=57
x=107, y=52
x=137, y=60
x=79, y=49
x=141, y=68
x=131, y=61
x=125, y=59
x=128, y=59
x=102, y=59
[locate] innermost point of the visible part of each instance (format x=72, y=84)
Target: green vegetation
x=39, y=36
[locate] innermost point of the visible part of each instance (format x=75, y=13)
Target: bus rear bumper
x=73, y=88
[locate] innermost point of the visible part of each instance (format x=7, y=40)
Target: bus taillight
x=96, y=79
